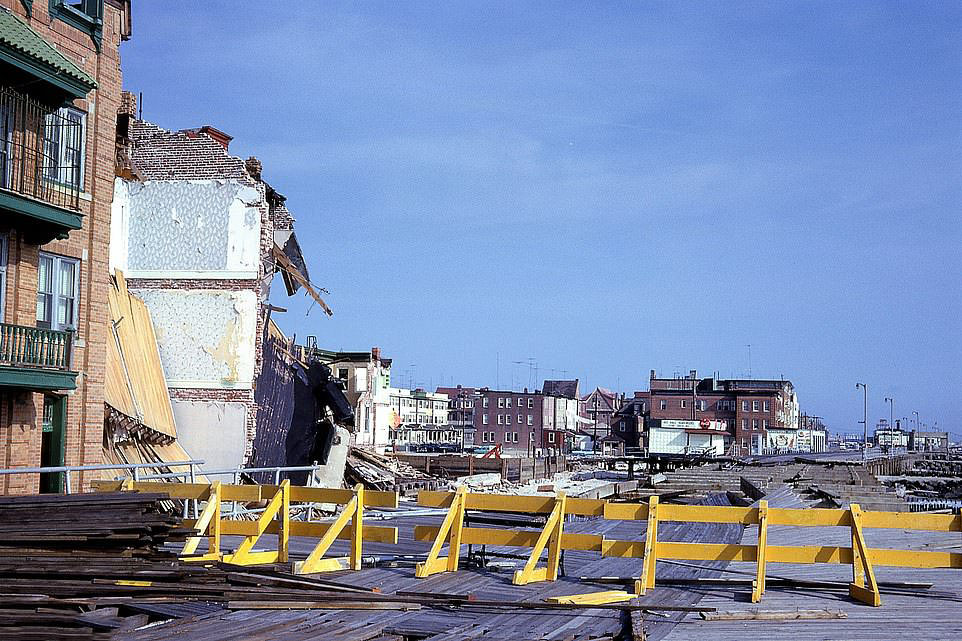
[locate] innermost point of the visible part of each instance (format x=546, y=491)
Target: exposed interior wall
x=214, y=431
x=207, y=338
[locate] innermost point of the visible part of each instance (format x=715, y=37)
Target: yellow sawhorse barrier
x=275, y=519
x=863, y=559
x=552, y=536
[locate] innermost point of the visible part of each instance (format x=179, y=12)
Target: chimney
x=216, y=135
x=254, y=168
x=652, y=373
x=128, y=104
x=375, y=351
x=693, y=373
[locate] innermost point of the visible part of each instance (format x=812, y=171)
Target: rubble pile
x=379, y=472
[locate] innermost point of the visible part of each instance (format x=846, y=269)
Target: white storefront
x=687, y=437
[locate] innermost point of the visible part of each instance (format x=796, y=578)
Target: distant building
x=759, y=416
x=888, y=436
x=812, y=434
x=532, y=423
x=419, y=416
x=462, y=403
x=598, y=409
x=367, y=379
x=628, y=422
x=928, y=441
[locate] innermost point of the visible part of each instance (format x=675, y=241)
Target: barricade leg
x=452, y=525
x=864, y=587
x=551, y=538
x=647, y=580
x=352, y=513
x=244, y=555
x=207, y=523
x=758, y=586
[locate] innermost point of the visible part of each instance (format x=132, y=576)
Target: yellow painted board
x=706, y=551
x=512, y=503
x=340, y=496
x=332, y=564
x=626, y=511
x=139, y=584
x=707, y=514
x=369, y=533
x=593, y=598
x=253, y=558
x=624, y=549
x=513, y=538
x=913, y=521
x=809, y=517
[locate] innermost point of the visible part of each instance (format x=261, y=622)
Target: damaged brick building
x=200, y=236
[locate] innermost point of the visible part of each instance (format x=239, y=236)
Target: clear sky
x=604, y=188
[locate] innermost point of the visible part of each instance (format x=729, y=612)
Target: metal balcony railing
x=34, y=347
x=41, y=151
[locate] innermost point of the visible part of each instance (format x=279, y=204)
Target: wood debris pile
x=380, y=472
x=89, y=566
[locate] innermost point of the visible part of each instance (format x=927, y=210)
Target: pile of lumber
x=386, y=473
x=87, y=566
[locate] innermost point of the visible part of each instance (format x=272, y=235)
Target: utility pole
x=891, y=402
x=864, y=419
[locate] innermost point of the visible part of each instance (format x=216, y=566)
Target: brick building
x=757, y=415
x=200, y=236
x=60, y=90
x=528, y=423
x=462, y=405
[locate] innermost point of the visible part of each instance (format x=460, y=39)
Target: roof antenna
x=749, y=361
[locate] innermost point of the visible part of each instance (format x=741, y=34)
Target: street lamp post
x=891, y=402
x=864, y=419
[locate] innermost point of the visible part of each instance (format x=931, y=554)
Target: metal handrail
x=133, y=467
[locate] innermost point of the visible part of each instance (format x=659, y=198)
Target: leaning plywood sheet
x=135, y=383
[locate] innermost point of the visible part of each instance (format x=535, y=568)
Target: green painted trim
x=64, y=219
x=75, y=88
x=91, y=25
x=37, y=379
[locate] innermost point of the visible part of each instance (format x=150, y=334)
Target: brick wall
x=21, y=413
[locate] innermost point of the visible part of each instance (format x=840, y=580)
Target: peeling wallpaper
x=206, y=337
x=182, y=228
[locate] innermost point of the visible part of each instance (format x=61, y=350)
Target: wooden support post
x=353, y=514
x=551, y=538
x=864, y=587
x=209, y=519
x=284, y=531
x=647, y=580
x=451, y=528
x=758, y=587
x=244, y=555
x=357, y=528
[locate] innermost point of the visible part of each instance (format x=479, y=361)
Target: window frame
x=56, y=263
x=67, y=112
x=3, y=275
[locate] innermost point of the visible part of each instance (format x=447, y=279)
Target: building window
x=520, y=419
x=500, y=419
x=484, y=419
x=507, y=402
x=531, y=437
x=515, y=437
x=530, y=403
x=754, y=406
x=551, y=437
x=684, y=403
x=500, y=403
x=664, y=405
x=754, y=423
x=766, y=406
x=764, y=424
x=484, y=402
x=342, y=373
x=744, y=423
x=63, y=147
x=507, y=419
x=57, y=289
x=530, y=419
x=744, y=406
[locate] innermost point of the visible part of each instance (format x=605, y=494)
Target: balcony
x=35, y=359
x=41, y=158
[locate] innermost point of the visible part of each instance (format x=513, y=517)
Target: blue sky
x=604, y=188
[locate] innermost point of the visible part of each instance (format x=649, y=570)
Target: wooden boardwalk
x=451, y=624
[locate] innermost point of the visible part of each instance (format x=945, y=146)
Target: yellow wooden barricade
x=863, y=559
x=552, y=536
x=275, y=519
